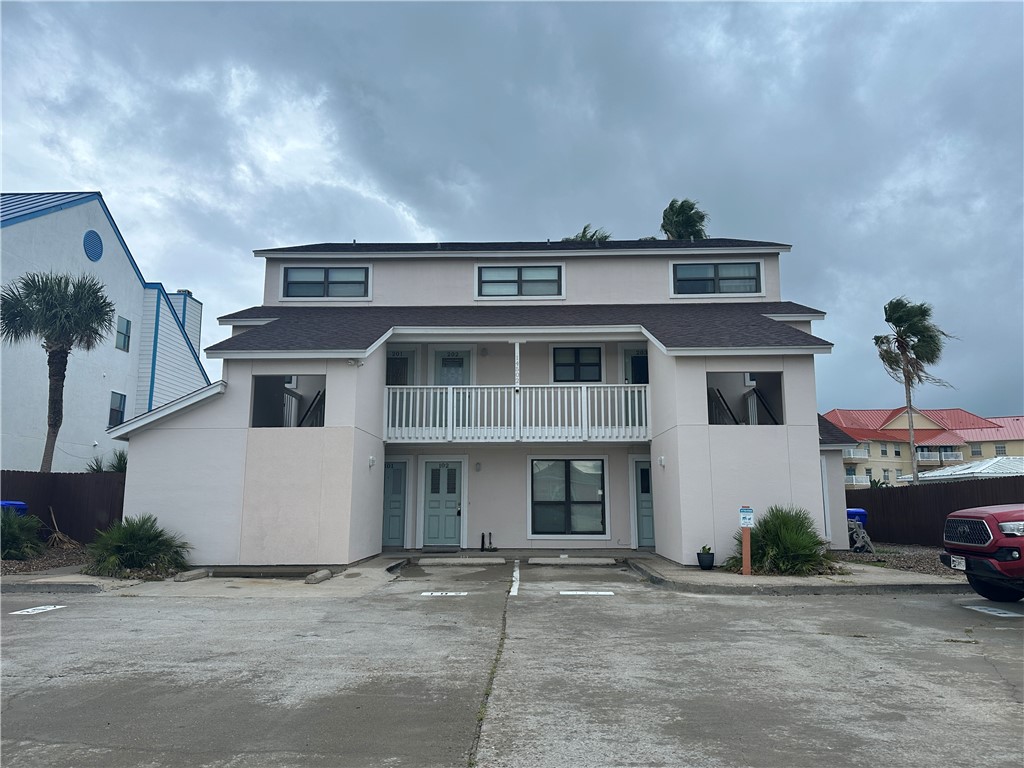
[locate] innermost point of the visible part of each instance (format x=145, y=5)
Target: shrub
x=119, y=463
x=785, y=542
x=19, y=536
x=95, y=465
x=137, y=543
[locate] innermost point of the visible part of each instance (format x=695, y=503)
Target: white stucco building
x=625, y=394
x=148, y=360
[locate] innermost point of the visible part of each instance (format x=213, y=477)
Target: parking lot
x=442, y=666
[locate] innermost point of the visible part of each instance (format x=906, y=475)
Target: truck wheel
x=995, y=592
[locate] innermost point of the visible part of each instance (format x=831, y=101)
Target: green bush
x=19, y=536
x=119, y=463
x=783, y=542
x=137, y=544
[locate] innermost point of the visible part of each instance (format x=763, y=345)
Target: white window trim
x=421, y=496
x=704, y=296
x=321, y=299
x=606, y=536
x=575, y=345
x=476, y=282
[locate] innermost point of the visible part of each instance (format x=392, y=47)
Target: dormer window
x=326, y=282
x=500, y=282
x=725, y=278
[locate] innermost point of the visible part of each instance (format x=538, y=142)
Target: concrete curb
x=42, y=587
x=319, y=576
x=193, y=575
x=782, y=590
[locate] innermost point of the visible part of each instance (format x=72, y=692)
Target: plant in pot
x=706, y=558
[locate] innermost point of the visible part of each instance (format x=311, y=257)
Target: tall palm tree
x=915, y=342
x=683, y=220
x=588, y=235
x=65, y=313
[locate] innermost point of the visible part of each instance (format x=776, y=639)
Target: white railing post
x=584, y=395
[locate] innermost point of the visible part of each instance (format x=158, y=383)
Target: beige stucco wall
x=590, y=279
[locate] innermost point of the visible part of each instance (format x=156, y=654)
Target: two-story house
x=149, y=359
x=548, y=395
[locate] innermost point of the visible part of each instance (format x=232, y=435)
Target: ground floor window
x=567, y=497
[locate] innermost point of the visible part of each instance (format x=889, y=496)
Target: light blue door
x=644, y=505
x=394, y=503
x=443, y=503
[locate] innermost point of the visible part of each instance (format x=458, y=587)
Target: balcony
x=858, y=480
x=856, y=454
x=507, y=414
x=927, y=457
x=951, y=457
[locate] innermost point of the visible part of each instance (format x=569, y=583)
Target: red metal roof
x=961, y=427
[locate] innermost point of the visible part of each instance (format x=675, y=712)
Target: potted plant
x=706, y=558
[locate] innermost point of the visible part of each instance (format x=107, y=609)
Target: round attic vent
x=93, y=245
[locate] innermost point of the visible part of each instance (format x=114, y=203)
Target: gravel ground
x=52, y=557
x=901, y=557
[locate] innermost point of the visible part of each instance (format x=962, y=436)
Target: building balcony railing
x=858, y=480
x=856, y=454
x=951, y=457
x=505, y=414
x=927, y=457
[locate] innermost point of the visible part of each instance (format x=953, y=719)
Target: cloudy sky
x=883, y=141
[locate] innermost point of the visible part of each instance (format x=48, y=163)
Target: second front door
x=442, y=494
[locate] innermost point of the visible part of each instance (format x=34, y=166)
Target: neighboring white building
x=560, y=395
x=148, y=360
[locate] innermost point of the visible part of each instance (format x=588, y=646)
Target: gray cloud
x=884, y=141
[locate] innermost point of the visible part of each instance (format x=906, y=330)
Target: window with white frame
x=885, y=475
x=519, y=281
x=576, y=364
x=1000, y=449
x=885, y=449
x=896, y=451
x=326, y=282
x=729, y=277
x=567, y=497
x=124, y=333
x=117, y=407
x=975, y=450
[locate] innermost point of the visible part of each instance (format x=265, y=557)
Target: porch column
x=517, y=367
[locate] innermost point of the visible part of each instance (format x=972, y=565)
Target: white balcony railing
x=856, y=453
x=549, y=413
x=950, y=456
x=927, y=456
x=858, y=480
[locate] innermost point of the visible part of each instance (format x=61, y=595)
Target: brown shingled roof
x=738, y=325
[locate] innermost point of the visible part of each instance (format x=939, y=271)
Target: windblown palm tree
x=65, y=313
x=588, y=235
x=683, y=220
x=915, y=342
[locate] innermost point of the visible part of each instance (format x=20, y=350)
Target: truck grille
x=962, y=530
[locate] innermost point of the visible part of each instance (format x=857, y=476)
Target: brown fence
x=81, y=502
x=914, y=514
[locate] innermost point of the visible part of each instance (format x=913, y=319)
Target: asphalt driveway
x=366, y=670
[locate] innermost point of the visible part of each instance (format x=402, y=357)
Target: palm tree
x=588, y=235
x=915, y=342
x=65, y=313
x=683, y=220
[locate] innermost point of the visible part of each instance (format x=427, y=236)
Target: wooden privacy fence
x=82, y=502
x=915, y=514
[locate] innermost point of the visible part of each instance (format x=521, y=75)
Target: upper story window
x=1000, y=449
x=118, y=403
x=124, y=333
x=577, y=364
x=326, y=282
x=526, y=282
x=691, y=279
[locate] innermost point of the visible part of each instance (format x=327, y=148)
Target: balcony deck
x=507, y=414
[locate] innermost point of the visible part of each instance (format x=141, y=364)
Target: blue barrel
x=857, y=514
x=19, y=507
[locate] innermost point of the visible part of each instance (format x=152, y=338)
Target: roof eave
x=149, y=418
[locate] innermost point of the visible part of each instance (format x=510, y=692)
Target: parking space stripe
x=39, y=609
x=993, y=611
x=443, y=594
x=515, y=580
x=572, y=592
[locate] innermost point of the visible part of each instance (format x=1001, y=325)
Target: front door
x=394, y=503
x=442, y=495
x=644, y=505
x=635, y=366
x=451, y=368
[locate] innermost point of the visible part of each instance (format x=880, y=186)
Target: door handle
x=458, y=512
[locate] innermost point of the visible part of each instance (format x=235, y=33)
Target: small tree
x=914, y=342
x=682, y=220
x=588, y=235
x=65, y=313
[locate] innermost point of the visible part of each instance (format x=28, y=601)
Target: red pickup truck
x=987, y=543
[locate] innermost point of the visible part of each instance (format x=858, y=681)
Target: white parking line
x=993, y=611
x=515, y=580
x=39, y=609
x=567, y=592
x=443, y=594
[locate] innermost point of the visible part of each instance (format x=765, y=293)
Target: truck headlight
x=1012, y=529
